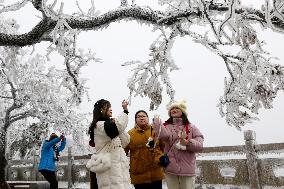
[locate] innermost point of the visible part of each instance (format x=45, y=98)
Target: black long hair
x=100, y=108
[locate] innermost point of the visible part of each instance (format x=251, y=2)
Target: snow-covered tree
x=25, y=139
x=35, y=98
x=30, y=93
x=252, y=82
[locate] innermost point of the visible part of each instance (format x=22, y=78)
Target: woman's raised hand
x=156, y=121
x=124, y=105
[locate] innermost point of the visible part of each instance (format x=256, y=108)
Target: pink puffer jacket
x=182, y=162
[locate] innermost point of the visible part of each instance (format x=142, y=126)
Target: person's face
x=109, y=112
x=141, y=119
x=176, y=112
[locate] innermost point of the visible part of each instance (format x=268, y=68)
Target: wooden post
x=252, y=159
x=69, y=168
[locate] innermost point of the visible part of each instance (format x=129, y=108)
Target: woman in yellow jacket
x=145, y=151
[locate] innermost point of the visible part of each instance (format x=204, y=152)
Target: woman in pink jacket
x=183, y=140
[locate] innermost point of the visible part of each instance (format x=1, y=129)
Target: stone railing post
x=35, y=165
x=251, y=156
x=69, y=168
x=7, y=167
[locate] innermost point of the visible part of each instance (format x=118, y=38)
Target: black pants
x=153, y=185
x=93, y=181
x=50, y=177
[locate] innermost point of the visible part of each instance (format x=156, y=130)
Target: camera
x=150, y=142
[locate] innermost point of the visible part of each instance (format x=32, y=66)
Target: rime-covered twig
x=205, y=7
x=47, y=24
x=21, y=116
x=15, y=105
x=124, y=3
x=13, y=7
x=149, y=77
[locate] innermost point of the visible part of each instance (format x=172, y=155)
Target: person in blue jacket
x=49, y=154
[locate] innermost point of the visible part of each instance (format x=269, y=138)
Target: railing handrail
x=207, y=150
x=245, y=171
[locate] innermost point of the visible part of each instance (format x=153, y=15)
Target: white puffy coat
x=117, y=177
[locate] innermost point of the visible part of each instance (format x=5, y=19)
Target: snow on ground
x=204, y=186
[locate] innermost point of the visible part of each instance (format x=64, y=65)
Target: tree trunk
x=3, y=160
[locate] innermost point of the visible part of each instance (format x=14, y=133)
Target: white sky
x=200, y=80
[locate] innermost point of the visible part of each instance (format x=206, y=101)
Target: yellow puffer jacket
x=144, y=161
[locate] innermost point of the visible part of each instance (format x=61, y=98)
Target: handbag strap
x=186, y=130
x=97, y=151
x=157, y=136
x=171, y=146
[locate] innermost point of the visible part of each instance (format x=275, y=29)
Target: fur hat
x=178, y=104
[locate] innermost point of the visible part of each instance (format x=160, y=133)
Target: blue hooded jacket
x=47, y=160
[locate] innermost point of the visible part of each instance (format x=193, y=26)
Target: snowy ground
x=87, y=184
x=205, y=186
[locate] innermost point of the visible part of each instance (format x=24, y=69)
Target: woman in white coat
x=109, y=136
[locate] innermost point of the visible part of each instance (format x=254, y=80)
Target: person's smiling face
x=141, y=119
x=176, y=112
x=109, y=112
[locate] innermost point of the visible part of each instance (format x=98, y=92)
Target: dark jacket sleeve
x=111, y=129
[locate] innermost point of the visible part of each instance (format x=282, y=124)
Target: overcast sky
x=200, y=80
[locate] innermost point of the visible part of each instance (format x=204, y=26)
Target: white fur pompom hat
x=181, y=104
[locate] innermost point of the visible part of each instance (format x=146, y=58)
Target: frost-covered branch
x=158, y=18
x=148, y=77
x=15, y=105
x=124, y=2
x=21, y=116
x=253, y=79
x=13, y=7
x=91, y=13
x=74, y=63
x=205, y=8
x=48, y=100
x=7, y=97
